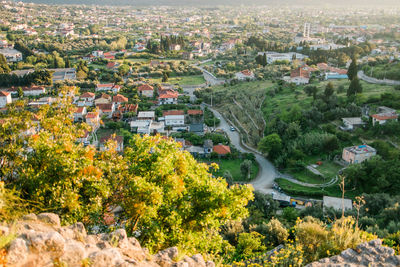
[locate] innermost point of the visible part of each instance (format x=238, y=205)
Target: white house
x=86, y=99
x=146, y=90
x=98, y=53
x=93, y=119
x=5, y=98
x=299, y=76
x=174, y=120
x=11, y=54
x=141, y=126
x=382, y=118
x=168, y=97
x=244, y=75
x=80, y=113
x=108, y=87
x=29, y=91
x=146, y=115
x=352, y=123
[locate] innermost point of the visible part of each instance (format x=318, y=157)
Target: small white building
x=174, y=120
x=352, y=123
x=29, y=91
x=244, y=75
x=79, y=114
x=358, y=154
x=5, y=98
x=169, y=97
x=141, y=126
x=146, y=115
x=108, y=87
x=146, y=90
x=11, y=55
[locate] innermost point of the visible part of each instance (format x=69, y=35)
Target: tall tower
x=307, y=30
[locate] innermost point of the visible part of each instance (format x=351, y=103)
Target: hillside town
x=301, y=105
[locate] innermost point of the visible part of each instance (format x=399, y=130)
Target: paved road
x=267, y=172
x=210, y=78
x=368, y=79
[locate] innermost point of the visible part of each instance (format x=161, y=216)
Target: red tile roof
x=79, y=110
x=101, y=85
x=173, y=112
x=120, y=98
x=169, y=94
x=195, y=112
x=4, y=93
x=92, y=115
x=87, y=95
x=299, y=72
x=105, y=107
x=385, y=116
x=221, y=149
x=246, y=72
x=145, y=87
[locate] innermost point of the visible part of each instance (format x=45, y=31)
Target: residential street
x=267, y=172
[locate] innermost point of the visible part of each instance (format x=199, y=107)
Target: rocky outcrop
x=42, y=241
x=366, y=254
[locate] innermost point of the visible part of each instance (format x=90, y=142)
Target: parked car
x=233, y=129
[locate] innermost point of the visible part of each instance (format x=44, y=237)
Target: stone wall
x=366, y=254
x=42, y=241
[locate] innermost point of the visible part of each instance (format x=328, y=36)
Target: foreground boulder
x=366, y=254
x=41, y=241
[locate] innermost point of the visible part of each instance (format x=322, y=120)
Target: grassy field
x=233, y=166
x=183, y=80
x=314, y=192
x=328, y=169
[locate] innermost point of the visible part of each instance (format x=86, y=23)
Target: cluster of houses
x=360, y=153
x=302, y=74
x=170, y=121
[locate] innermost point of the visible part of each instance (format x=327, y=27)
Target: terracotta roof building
x=221, y=149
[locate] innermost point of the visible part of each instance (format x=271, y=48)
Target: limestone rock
x=50, y=218
x=17, y=252
x=41, y=241
x=366, y=254
x=106, y=258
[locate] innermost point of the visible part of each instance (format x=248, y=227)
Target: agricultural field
x=233, y=166
x=182, y=80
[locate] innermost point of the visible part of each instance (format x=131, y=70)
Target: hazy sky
x=316, y=3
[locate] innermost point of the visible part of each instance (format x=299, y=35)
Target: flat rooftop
x=361, y=149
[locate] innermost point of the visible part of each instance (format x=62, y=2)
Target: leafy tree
x=329, y=90
x=271, y=145
x=172, y=200
x=245, y=168
x=311, y=90
x=123, y=69
x=20, y=92
x=249, y=244
x=4, y=68
x=276, y=233
x=353, y=69
x=354, y=87
x=165, y=77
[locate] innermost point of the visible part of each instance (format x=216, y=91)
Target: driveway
x=267, y=172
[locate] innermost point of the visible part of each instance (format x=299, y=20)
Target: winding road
x=267, y=172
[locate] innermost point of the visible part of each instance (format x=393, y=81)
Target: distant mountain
x=315, y=3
